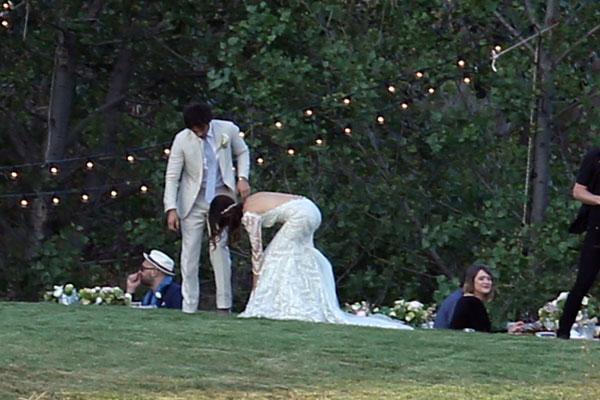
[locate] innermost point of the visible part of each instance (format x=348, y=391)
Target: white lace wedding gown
x=296, y=281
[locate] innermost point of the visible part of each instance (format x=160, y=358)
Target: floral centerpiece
x=360, y=308
x=551, y=312
x=68, y=295
x=414, y=312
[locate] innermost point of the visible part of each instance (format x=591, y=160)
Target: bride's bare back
x=261, y=202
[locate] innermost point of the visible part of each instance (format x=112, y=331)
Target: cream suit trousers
x=192, y=228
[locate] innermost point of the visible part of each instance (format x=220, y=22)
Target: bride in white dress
x=293, y=280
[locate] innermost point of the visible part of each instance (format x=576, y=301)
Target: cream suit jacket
x=186, y=164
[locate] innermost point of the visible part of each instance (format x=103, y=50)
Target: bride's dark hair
x=223, y=214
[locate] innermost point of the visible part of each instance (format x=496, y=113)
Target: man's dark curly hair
x=197, y=114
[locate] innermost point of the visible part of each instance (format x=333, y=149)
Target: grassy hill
x=49, y=351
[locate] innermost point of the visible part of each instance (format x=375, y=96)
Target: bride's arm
x=252, y=224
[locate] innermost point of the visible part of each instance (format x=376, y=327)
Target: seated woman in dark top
x=470, y=312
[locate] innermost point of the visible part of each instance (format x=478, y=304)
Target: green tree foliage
x=407, y=204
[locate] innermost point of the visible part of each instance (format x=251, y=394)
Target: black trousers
x=589, y=265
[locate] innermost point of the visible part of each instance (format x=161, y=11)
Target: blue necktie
x=211, y=171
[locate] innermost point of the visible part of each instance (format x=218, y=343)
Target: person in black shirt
x=470, y=311
x=587, y=191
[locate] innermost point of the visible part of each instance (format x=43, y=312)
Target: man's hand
x=517, y=327
x=173, y=220
x=133, y=281
x=243, y=188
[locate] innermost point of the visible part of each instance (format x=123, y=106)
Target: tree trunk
x=543, y=135
x=59, y=112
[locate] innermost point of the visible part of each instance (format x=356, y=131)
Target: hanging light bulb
x=319, y=141
x=130, y=158
x=380, y=119
x=89, y=165
x=404, y=106
x=308, y=112
x=260, y=160
x=23, y=203
x=391, y=89
x=5, y=23
x=498, y=48
x=461, y=63
x=431, y=90
x=167, y=151
x=114, y=194
x=467, y=80
x=54, y=170
x=419, y=74
x=8, y=5
x=347, y=100
x=14, y=175
x=85, y=197
x=278, y=124
x=291, y=151
x=242, y=134
x=348, y=130
x=144, y=189
x=55, y=200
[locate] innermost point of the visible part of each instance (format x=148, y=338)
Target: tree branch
x=513, y=30
x=532, y=14
x=577, y=43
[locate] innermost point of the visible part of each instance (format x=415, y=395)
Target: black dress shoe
x=223, y=311
x=564, y=336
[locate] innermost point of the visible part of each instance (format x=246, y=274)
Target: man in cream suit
x=200, y=167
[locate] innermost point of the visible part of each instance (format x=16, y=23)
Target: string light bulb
x=431, y=90
x=144, y=189
x=308, y=112
x=348, y=130
x=419, y=74
x=260, y=160
x=467, y=80
x=23, y=203
x=85, y=197
x=89, y=165
x=391, y=89
x=5, y=23
x=291, y=151
x=498, y=48
x=404, y=106
x=130, y=158
x=54, y=170
x=347, y=100
x=167, y=151
x=8, y=5
x=380, y=119
x=461, y=63
x=278, y=124
x=55, y=200
x=114, y=194
x=319, y=141
x=14, y=175
x=242, y=134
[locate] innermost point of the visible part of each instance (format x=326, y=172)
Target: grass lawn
x=49, y=351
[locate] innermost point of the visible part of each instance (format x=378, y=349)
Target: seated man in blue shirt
x=444, y=314
x=157, y=272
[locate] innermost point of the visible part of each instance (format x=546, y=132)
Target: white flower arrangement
x=361, y=308
x=413, y=313
x=551, y=312
x=65, y=295
x=106, y=295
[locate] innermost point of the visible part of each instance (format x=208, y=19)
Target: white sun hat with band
x=161, y=261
